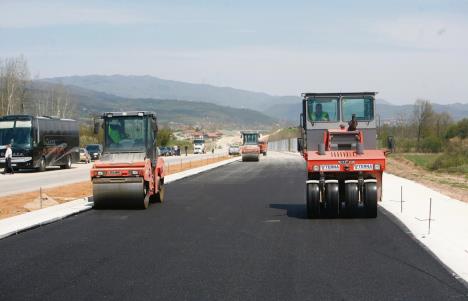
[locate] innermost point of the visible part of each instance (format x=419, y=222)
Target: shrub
x=431, y=144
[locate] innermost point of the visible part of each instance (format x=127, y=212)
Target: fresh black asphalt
x=237, y=232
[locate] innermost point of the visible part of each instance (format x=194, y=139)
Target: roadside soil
x=25, y=202
x=452, y=185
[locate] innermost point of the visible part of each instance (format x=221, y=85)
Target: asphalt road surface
x=30, y=180
x=237, y=232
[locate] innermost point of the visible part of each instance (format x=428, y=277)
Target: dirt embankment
x=25, y=202
x=453, y=185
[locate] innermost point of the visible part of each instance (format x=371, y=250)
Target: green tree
x=422, y=114
x=164, y=136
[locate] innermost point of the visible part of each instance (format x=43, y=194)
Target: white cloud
x=426, y=31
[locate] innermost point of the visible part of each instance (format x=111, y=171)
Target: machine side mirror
x=97, y=125
x=154, y=126
x=300, y=145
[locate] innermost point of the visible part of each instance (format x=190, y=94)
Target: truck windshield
x=93, y=148
x=198, y=141
x=363, y=107
x=250, y=138
x=125, y=134
x=16, y=132
x=323, y=109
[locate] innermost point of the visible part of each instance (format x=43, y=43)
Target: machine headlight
x=135, y=172
x=377, y=166
x=100, y=173
x=316, y=168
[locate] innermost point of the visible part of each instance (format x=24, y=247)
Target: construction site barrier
x=285, y=145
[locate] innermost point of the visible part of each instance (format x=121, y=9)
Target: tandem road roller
x=129, y=173
x=250, y=150
x=344, y=167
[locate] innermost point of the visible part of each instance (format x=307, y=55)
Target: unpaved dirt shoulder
x=451, y=185
x=25, y=202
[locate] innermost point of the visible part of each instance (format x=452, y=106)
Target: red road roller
x=344, y=166
x=250, y=150
x=129, y=173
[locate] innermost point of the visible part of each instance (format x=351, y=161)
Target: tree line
x=424, y=131
x=18, y=95
x=429, y=132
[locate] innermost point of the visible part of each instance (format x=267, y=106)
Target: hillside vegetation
x=172, y=112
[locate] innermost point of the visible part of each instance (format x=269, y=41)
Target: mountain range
x=169, y=111
x=279, y=108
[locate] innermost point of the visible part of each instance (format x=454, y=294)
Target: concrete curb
x=30, y=220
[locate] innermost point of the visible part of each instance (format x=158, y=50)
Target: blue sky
x=403, y=49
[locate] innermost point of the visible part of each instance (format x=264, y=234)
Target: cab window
x=363, y=107
x=323, y=109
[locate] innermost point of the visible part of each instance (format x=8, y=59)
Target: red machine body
x=344, y=165
x=129, y=173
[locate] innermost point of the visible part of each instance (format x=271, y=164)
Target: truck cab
x=199, y=145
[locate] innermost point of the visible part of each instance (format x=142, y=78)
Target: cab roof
x=339, y=94
x=130, y=113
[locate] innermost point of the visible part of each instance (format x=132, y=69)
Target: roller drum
x=119, y=192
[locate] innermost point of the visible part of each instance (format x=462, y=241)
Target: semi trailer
x=344, y=165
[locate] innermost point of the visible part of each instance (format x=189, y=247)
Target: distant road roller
x=250, y=150
x=344, y=167
x=129, y=173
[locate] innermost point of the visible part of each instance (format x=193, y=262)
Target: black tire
x=313, y=200
x=332, y=199
x=351, y=198
x=264, y=153
x=42, y=165
x=68, y=165
x=159, y=197
x=370, y=199
x=145, y=200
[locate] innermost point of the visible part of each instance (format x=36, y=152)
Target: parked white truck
x=199, y=145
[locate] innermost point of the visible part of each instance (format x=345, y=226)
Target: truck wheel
x=313, y=200
x=264, y=153
x=351, y=198
x=42, y=165
x=370, y=199
x=332, y=199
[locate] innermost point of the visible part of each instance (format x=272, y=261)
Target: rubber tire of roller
x=313, y=200
x=370, y=199
x=332, y=199
x=351, y=198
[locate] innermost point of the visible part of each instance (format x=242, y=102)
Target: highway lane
x=237, y=232
x=30, y=180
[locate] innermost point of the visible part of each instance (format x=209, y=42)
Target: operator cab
x=332, y=113
x=130, y=132
x=250, y=138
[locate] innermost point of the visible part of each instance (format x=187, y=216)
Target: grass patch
x=423, y=160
